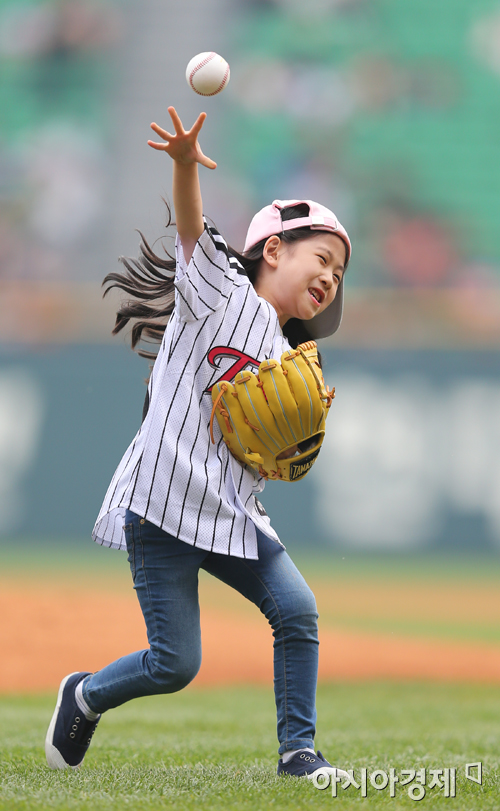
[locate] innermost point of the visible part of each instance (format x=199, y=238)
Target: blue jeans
x=165, y=575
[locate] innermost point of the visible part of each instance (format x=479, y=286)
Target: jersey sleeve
x=205, y=284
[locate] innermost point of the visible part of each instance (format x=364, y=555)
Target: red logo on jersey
x=241, y=362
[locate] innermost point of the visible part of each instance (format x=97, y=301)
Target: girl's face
x=303, y=277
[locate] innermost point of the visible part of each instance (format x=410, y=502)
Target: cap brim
x=327, y=322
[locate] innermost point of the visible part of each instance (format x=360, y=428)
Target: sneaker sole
x=54, y=758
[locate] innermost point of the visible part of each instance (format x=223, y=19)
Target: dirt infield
x=49, y=630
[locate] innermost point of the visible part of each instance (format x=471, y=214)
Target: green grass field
x=216, y=749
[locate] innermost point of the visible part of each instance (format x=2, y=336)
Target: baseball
x=207, y=73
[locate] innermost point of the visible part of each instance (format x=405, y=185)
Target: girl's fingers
x=195, y=129
x=158, y=146
x=208, y=162
x=160, y=131
x=182, y=139
x=179, y=129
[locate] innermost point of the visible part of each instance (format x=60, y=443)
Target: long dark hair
x=150, y=280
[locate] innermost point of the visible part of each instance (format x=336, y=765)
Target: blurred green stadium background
x=385, y=110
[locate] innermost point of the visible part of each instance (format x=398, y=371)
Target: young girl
x=179, y=503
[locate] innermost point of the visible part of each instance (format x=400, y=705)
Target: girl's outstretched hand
x=183, y=147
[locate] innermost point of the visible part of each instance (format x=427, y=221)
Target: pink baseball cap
x=267, y=222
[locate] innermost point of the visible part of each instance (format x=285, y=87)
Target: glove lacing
x=223, y=412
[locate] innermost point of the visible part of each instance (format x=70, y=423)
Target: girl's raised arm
x=185, y=151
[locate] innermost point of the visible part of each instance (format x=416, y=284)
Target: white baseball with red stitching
x=207, y=73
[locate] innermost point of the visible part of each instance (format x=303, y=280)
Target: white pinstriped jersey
x=172, y=474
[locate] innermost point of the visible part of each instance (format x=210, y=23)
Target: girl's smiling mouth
x=316, y=295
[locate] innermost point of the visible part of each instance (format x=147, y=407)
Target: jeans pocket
x=130, y=541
